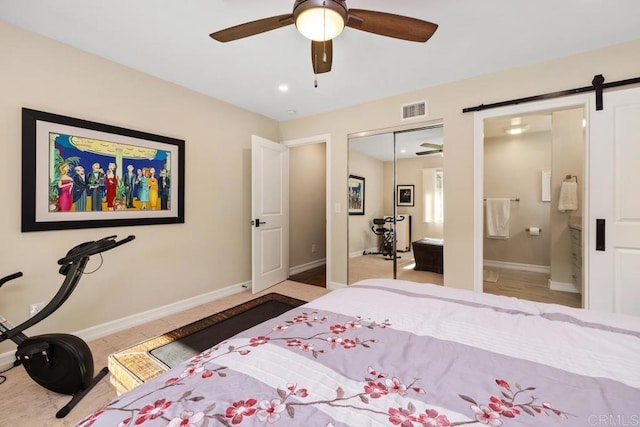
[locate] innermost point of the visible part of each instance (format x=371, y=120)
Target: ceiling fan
x=323, y=20
x=435, y=149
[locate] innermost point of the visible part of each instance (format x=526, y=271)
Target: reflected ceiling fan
x=323, y=20
x=435, y=149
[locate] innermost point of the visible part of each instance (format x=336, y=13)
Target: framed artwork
x=356, y=195
x=404, y=194
x=82, y=174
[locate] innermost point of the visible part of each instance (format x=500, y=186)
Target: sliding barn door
x=614, y=204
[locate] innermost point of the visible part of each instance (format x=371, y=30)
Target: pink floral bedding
x=395, y=353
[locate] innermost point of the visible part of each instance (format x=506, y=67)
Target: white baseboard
x=516, y=266
x=563, y=286
x=99, y=331
x=335, y=285
x=308, y=266
x=361, y=253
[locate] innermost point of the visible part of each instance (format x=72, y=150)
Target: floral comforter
x=396, y=353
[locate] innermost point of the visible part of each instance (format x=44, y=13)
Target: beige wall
x=361, y=236
x=446, y=103
x=166, y=263
x=512, y=168
x=409, y=172
x=307, y=204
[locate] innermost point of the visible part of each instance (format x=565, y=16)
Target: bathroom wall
x=512, y=169
x=567, y=159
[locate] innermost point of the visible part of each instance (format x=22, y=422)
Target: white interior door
x=614, y=198
x=270, y=213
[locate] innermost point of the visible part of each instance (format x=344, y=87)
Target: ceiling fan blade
x=390, y=25
x=426, y=153
x=252, y=28
x=321, y=56
x=429, y=145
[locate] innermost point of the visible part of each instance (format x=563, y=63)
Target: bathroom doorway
x=531, y=235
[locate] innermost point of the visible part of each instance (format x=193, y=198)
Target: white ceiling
x=407, y=144
x=170, y=39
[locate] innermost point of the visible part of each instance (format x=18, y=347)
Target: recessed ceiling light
x=516, y=130
x=283, y=88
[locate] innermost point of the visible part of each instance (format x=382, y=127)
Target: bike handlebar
x=91, y=248
x=10, y=277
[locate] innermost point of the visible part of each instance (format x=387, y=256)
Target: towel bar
x=516, y=199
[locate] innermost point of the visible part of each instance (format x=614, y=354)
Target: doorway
x=308, y=217
x=399, y=177
x=524, y=157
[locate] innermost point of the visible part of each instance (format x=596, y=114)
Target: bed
x=396, y=353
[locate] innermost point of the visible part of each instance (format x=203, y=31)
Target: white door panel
x=626, y=292
x=271, y=260
x=270, y=207
x=614, y=165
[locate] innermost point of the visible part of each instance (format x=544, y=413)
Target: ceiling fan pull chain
x=324, y=23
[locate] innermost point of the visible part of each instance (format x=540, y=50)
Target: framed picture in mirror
x=356, y=195
x=404, y=195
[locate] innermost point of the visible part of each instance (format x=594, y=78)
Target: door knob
x=257, y=222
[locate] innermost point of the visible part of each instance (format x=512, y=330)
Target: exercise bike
x=387, y=244
x=62, y=363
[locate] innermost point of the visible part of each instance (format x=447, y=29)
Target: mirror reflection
x=396, y=214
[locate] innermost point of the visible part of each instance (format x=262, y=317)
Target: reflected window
x=433, y=186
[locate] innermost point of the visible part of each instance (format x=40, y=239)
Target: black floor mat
x=205, y=333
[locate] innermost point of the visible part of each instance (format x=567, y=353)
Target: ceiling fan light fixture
x=320, y=20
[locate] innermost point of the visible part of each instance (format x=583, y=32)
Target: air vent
x=412, y=111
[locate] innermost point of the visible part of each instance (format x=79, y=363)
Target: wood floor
x=316, y=276
x=513, y=283
x=530, y=286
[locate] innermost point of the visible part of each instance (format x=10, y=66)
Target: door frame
x=318, y=139
x=568, y=102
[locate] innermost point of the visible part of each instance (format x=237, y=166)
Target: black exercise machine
x=387, y=243
x=62, y=363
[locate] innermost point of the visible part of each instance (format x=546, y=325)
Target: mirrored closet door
x=396, y=182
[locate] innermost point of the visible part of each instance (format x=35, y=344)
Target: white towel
x=568, y=196
x=498, y=217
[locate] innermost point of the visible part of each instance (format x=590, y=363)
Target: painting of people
x=110, y=183
x=83, y=174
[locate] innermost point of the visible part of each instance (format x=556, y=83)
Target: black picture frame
x=356, y=195
x=405, y=195
x=55, y=193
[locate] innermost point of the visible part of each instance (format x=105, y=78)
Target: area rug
x=135, y=365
